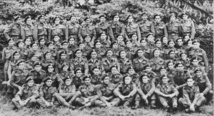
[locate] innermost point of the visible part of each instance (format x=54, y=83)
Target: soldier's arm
x=180, y=86
x=140, y=92
x=86, y=68
x=35, y=32
x=3, y=54
x=10, y=74
x=175, y=91
x=152, y=90
x=205, y=61
x=208, y=86
x=77, y=94
x=197, y=93
x=158, y=92
x=192, y=30
x=66, y=32
x=94, y=36
x=12, y=81
x=111, y=34
x=165, y=32
x=186, y=96
x=80, y=34
x=7, y=30
x=18, y=95
x=133, y=92
x=138, y=34
x=153, y=28
x=35, y=92
x=22, y=33
x=117, y=92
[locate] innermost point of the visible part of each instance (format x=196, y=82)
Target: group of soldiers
x=107, y=64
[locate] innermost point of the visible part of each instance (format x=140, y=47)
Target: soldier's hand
x=22, y=103
x=20, y=88
x=201, y=95
x=122, y=98
x=108, y=104
x=192, y=108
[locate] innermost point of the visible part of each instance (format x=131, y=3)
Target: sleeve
x=7, y=30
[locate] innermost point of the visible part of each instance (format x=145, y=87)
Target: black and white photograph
x=106, y=57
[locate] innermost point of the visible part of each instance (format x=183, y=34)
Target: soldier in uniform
x=116, y=28
x=96, y=76
x=135, y=77
x=195, y=65
x=27, y=95
x=131, y=28
x=115, y=76
x=102, y=26
x=28, y=28
x=106, y=95
x=94, y=61
x=159, y=27
x=166, y=92
x=80, y=62
x=108, y=61
x=156, y=62
x=124, y=62
x=72, y=28
x=126, y=91
x=192, y=100
x=145, y=26
x=14, y=30
x=145, y=48
x=37, y=73
x=78, y=78
x=187, y=26
x=204, y=84
x=87, y=28
x=146, y=91
x=66, y=92
x=86, y=94
x=41, y=28
x=130, y=49
x=173, y=27
x=57, y=29
x=46, y=93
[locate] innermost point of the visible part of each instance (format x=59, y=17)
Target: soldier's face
x=30, y=83
x=165, y=40
x=172, y=18
x=56, y=38
x=22, y=65
x=109, y=53
x=87, y=38
x=145, y=79
x=93, y=55
x=120, y=38
x=123, y=54
x=116, y=18
x=190, y=82
x=71, y=41
x=196, y=45
x=185, y=17
x=140, y=53
x=170, y=65
x=130, y=19
x=65, y=68
x=172, y=54
x=78, y=54
x=57, y=21
x=128, y=80
x=65, y=45
x=16, y=56
x=51, y=46
x=42, y=42
x=163, y=71
x=148, y=69
x=50, y=69
x=144, y=17
x=42, y=19
x=184, y=56
x=96, y=71
x=102, y=19
x=171, y=44
x=143, y=43
x=157, y=53
x=63, y=56
x=157, y=18
x=98, y=45
x=73, y=19
x=29, y=21
x=131, y=71
x=180, y=67
x=180, y=42
x=103, y=36
x=48, y=55
x=195, y=62
x=158, y=44
x=129, y=44
x=49, y=83
x=87, y=81
x=134, y=37
x=198, y=73
x=28, y=41
x=114, y=70
x=106, y=80
x=115, y=45
x=21, y=45
x=165, y=79
x=79, y=73
x=38, y=67
x=189, y=44
x=11, y=43
x=35, y=46
x=150, y=38
x=68, y=81
x=82, y=45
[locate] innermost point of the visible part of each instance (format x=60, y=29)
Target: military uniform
x=160, y=30
x=189, y=94
x=81, y=63
x=77, y=81
x=124, y=65
x=146, y=27
x=139, y=63
x=40, y=30
x=188, y=27
x=46, y=93
x=28, y=31
x=38, y=76
x=55, y=78
x=102, y=27
x=87, y=29
x=24, y=94
x=174, y=29
x=167, y=89
x=18, y=78
x=57, y=30
x=156, y=63
x=131, y=29
x=94, y=63
x=115, y=78
x=107, y=63
x=72, y=30
x=14, y=31
x=116, y=29
x=96, y=79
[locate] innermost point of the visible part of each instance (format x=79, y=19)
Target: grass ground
x=6, y=110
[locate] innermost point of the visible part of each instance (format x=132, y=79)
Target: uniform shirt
x=102, y=27
x=145, y=87
x=28, y=30
x=58, y=30
x=131, y=29
x=106, y=90
x=40, y=30
x=19, y=77
x=72, y=30
x=203, y=83
x=94, y=63
x=180, y=77
x=124, y=65
x=156, y=63
x=139, y=63
x=107, y=63
x=87, y=29
x=88, y=90
x=166, y=88
x=145, y=27
x=13, y=30
x=115, y=78
x=38, y=76
x=63, y=88
x=77, y=81
x=27, y=91
x=8, y=52
x=173, y=27
x=47, y=92
x=160, y=29
x=96, y=79
x=81, y=63
x=116, y=29
x=190, y=91
x=125, y=89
